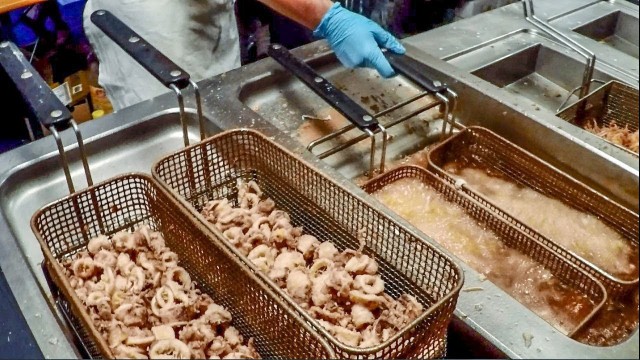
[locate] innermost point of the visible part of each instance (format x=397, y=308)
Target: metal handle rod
x=452, y=102
x=574, y=45
x=155, y=62
x=63, y=159
x=383, y=156
x=64, y=162
x=83, y=154
x=196, y=91
x=402, y=104
x=566, y=100
x=389, y=125
x=530, y=16
x=445, y=117
x=183, y=120
x=349, y=127
x=372, y=152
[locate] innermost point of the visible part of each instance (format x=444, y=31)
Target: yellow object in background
x=97, y=114
x=9, y=5
x=99, y=100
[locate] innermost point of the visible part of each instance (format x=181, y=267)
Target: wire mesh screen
x=614, y=103
x=326, y=210
x=480, y=148
x=127, y=201
x=82, y=339
x=569, y=274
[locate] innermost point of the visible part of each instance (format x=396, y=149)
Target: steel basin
x=131, y=146
x=617, y=29
x=607, y=28
x=530, y=65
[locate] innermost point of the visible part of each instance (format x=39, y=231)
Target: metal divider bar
x=530, y=16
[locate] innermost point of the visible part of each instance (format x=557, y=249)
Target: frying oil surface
x=524, y=279
x=582, y=233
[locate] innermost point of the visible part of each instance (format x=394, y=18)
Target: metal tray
x=480, y=148
x=325, y=209
x=570, y=275
x=66, y=226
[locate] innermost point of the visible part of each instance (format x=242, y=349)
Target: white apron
x=201, y=36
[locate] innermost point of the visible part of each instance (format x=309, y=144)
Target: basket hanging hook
x=64, y=161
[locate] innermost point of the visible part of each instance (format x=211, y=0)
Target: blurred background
x=50, y=34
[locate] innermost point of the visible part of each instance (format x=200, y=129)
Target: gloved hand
x=356, y=40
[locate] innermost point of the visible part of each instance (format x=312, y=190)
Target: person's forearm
x=306, y=12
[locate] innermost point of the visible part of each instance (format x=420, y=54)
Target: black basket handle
x=155, y=62
x=42, y=104
x=414, y=70
x=321, y=86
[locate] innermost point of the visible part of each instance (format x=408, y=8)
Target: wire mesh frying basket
x=327, y=210
x=124, y=202
x=480, y=148
x=613, y=103
x=569, y=274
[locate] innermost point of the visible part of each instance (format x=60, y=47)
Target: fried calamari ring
x=169, y=349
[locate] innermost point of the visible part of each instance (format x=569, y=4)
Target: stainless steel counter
x=264, y=97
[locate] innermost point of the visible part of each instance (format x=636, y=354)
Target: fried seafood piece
x=618, y=135
x=341, y=289
x=147, y=306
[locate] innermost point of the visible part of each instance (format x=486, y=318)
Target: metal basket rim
x=74, y=301
x=219, y=237
x=421, y=170
x=574, y=182
x=588, y=97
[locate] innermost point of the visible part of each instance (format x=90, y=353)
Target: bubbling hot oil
x=582, y=233
x=518, y=275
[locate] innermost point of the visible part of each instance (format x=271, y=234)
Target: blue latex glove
x=356, y=40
